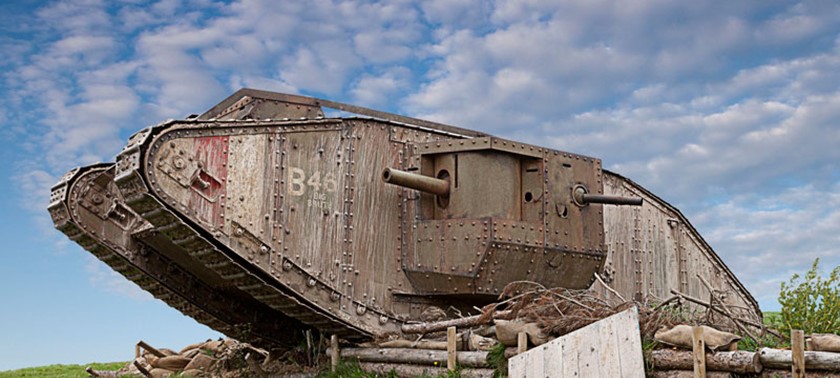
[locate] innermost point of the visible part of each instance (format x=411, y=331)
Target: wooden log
x=782, y=359
x=786, y=373
x=797, y=351
x=403, y=370
x=684, y=374
x=466, y=322
x=422, y=344
x=699, y=352
x=451, y=353
x=741, y=362
x=414, y=356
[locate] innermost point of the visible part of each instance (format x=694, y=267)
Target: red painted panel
x=208, y=185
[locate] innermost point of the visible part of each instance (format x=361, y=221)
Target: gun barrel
x=611, y=200
x=582, y=198
x=417, y=182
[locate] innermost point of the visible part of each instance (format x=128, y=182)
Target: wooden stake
x=797, y=348
x=450, y=348
x=141, y=369
x=521, y=343
x=150, y=349
x=699, y=344
x=334, y=353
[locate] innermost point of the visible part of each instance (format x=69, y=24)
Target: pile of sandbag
x=212, y=358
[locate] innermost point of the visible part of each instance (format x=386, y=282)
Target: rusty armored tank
x=264, y=216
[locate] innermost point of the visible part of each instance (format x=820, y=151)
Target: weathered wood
x=421, y=344
x=797, y=351
x=151, y=349
x=451, y=353
x=786, y=373
x=699, y=352
x=742, y=362
x=521, y=342
x=403, y=370
x=334, y=352
x=465, y=322
x=782, y=359
x=607, y=348
x=141, y=369
x=414, y=356
x=685, y=374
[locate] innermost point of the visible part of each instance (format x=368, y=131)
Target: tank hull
x=290, y=215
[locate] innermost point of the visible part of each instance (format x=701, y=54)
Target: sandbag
x=825, y=342
x=478, y=342
x=680, y=336
x=174, y=363
x=507, y=332
x=201, y=362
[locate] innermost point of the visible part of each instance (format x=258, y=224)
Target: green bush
x=812, y=305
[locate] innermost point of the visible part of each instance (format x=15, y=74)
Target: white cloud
x=711, y=105
x=373, y=91
x=765, y=240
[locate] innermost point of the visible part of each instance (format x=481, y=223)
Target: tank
x=266, y=216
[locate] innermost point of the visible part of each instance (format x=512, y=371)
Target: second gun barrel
x=417, y=182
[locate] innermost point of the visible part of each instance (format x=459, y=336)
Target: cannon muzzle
x=582, y=198
x=417, y=182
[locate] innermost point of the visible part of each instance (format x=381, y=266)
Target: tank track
x=246, y=320
x=132, y=182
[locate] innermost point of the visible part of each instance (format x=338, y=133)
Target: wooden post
x=797, y=348
x=150, y=349
x=334, y=354
x=699, y=344
x=136, y=351
x=521, y=343
x=450, y=348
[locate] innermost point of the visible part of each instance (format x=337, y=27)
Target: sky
x=728, y=110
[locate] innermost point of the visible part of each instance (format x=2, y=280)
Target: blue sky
x=728, y=110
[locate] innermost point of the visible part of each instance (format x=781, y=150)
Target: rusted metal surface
x=289, y=210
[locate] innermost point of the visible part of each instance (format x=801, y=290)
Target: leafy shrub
x=812, y=305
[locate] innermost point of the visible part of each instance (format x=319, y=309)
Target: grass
x=61, y=371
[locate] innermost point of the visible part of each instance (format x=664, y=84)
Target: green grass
x=61, y=371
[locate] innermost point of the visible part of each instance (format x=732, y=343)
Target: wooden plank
x=699, y=354
x=588, y=349
x=629, y=337
x=553, y=356
x=610, y=347
x=535, y=361
x=797, y=346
